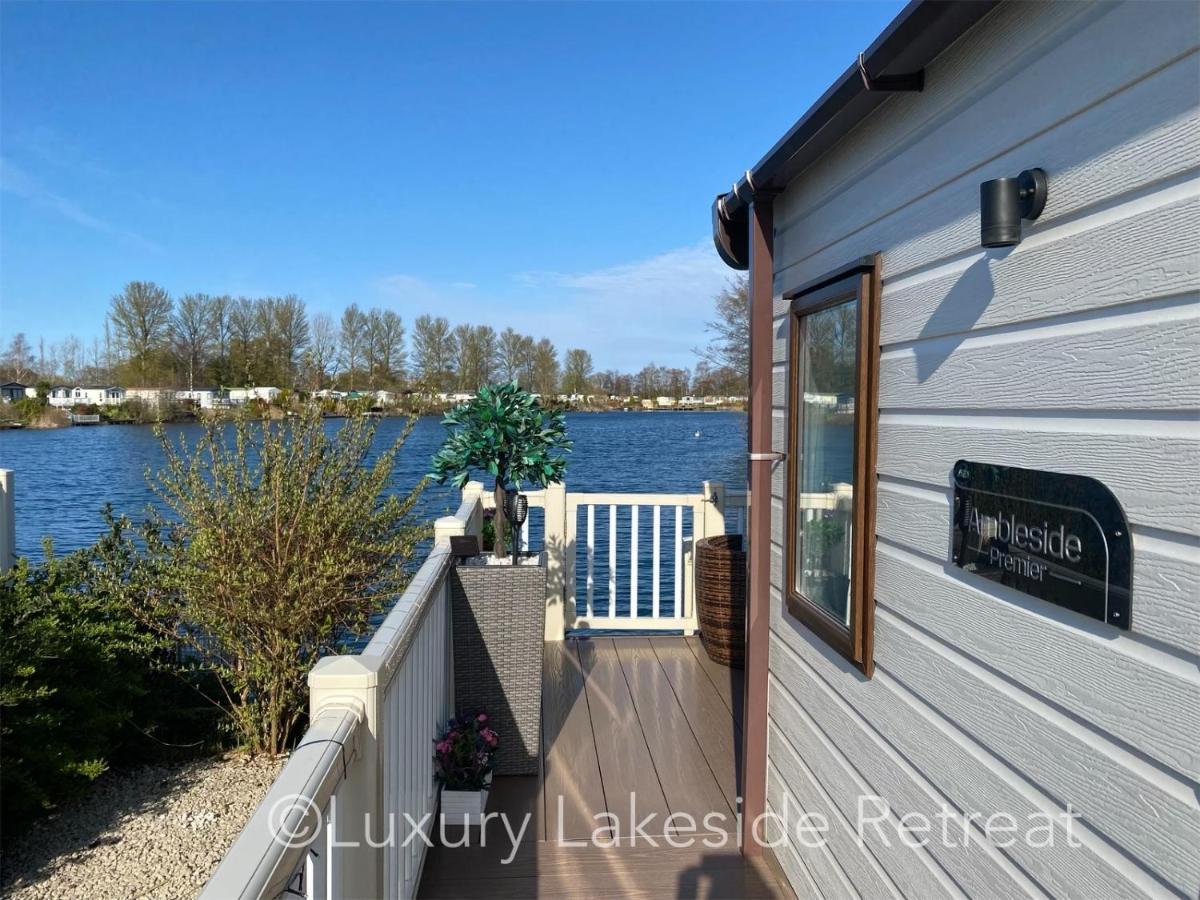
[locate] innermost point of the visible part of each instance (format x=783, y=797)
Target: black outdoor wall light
x=1004, y=202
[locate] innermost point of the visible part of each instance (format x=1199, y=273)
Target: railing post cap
x=347, y=671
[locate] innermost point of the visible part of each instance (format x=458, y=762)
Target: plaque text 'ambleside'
x=1061, y=538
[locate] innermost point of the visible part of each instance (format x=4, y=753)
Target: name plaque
x=1060, y=538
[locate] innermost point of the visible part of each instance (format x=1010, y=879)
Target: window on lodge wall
x=834, y=361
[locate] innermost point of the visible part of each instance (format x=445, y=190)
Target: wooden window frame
x=860, y=280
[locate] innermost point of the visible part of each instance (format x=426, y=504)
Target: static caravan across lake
x=974, y=613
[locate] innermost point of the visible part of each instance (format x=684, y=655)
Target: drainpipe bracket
x=911, y=81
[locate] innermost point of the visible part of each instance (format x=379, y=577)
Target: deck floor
x=644, y=721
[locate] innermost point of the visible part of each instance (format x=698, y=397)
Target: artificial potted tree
x=498, y=600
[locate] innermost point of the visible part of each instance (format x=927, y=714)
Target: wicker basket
x=721, y=598
x=499, y=613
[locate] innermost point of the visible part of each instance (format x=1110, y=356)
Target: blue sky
x=548, y=166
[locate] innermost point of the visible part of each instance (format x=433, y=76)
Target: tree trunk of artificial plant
x=498, y=520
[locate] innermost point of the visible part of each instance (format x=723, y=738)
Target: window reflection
x=825, y=494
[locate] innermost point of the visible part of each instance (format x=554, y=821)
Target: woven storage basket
x=721, y=598
x=499, y=616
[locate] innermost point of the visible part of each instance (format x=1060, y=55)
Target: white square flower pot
x=458, y=806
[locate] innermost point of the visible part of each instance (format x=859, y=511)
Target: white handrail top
x=262, y=859
x=575, y=500
x=390, y=642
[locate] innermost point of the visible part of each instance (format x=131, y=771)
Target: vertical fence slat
x=633, y=561
x=591, y=557
x=612, y=560
x=678, y=561
x=655, y=565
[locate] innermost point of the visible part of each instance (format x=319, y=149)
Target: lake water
x=64, y=476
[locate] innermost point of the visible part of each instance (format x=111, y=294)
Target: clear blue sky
x=548, y=166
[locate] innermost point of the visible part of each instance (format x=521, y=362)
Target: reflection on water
x=64, y=476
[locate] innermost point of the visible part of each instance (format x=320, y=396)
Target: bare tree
x=72, y=358
x=729, y=346
x=243, y=333
x=577, y=371
x=353, y=340
x=387, y=344
x=141, y=315
x=433, y=351
x=193, y=327
x=322, y=350
x=18, y=358
x=545, y=368
x=514, y=355
x=291, y=333
x=222, y=332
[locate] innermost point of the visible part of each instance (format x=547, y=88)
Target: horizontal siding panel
x=1166, y=574
x=820, y=865
x=1154, y=476
x=796, y=871
x=975, y=64
x=975, y=865
x=1144, y=366
x=912, y=870
x=1135, y=140
x=1157, y=825
x=857, y=862
x=1148, y=247
x=989, y=122
x=1141, y=701
x=965, y=772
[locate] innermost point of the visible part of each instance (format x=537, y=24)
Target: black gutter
x=895, y=61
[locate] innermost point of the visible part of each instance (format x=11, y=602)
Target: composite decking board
x=546, y=870
x=710, y=718
x=588, y=707
x=728, y=682
x=683, y=771
x=626, y=766
x=570, y=768
x=517, y=796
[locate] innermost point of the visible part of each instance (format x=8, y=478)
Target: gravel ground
x=154, y=831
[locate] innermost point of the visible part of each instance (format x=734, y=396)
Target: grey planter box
x=499, y=613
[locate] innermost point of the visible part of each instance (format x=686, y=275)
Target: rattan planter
x=721, y=598
x=498, y=612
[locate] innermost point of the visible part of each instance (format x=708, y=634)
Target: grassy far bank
x=194, y=632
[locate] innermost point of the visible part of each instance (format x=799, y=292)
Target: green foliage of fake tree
x=77, y=672
x=282, y=539
x=505, y=432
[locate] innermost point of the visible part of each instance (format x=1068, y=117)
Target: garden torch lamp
x=518, y=512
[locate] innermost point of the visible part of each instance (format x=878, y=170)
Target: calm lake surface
x=64, y=476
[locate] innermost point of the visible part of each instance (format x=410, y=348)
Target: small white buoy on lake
x=697, y=434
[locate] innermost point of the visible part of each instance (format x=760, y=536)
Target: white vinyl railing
x=363, y=772
x=335, y=822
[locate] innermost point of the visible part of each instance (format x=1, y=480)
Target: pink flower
x=442, y=747
x=490, y=736
x=482, y=717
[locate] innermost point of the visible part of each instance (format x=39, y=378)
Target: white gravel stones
x=154, y=831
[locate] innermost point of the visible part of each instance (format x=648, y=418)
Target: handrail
x=269, y=850
x=391, y=641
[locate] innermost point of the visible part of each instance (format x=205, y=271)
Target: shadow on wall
x=957, y=314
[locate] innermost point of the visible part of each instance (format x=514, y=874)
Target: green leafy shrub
x=505, y=432
x=281, y=541
x=75, y=672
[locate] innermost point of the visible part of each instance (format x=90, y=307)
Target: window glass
x=825, y=497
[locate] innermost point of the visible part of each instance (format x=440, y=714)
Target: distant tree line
x=202, y=340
